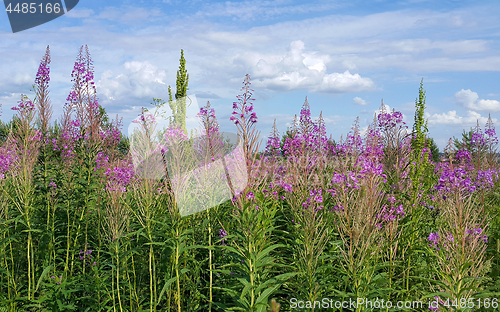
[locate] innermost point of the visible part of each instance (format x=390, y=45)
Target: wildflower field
x=92, y=220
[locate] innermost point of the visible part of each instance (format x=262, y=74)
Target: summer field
x=91, y=222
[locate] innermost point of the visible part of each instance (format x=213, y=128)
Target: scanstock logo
x=203, y=169
x=25, y=14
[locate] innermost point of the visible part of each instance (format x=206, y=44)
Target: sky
x=346, y=57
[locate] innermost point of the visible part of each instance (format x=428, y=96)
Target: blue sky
x=345, y=56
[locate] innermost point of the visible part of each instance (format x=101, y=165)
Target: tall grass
x=182, y=223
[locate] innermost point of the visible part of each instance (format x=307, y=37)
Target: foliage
x=434, y=149
x=369, y=216
x=178, y=106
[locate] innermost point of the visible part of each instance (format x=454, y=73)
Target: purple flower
x=306, y=136
x=250, y=195
x=244, y=106
x=337, y=208
x=387, y=121
x=434, y=239
x=463, y=155
x=388, y=215
x=287, y=187
x=273, y=145
x=490, y=133
x=477, y=234
x=457, y=180
x=222, y=234
x=25, y=106
x=53, y=185
x=174, y=135
x=43, y=74
x=478, y=139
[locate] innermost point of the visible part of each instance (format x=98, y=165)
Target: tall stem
x=135, y=280
x=151, y=291
x=118, y=274
x=177, y=255
x=210, y=260
x=29, y=263
x=68, y=242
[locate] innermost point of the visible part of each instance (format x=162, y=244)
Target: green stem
x=135, y=281
x=29, y=263
x=113, y=290
x=210, y=260
x=68, y=242
x=151, y=292
x=12, y=261
x=118, y=274
x=177, y=255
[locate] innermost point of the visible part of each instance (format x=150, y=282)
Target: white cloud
x=346, y=82
x=334, y=54
x=349, y=65
x=359, y=101
x=408, y=46
x=7, y=101
x=21, y=78
x=470, y=100
x=147, y=72
x=300, y=70
x=138, y=80
x=452, y=118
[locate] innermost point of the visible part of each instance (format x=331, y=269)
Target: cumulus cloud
x=452, y=118
x=222, y=50
x=138, y=80
x=346, y=82
x=470, y=100
x=301, y=70
x=359, y=101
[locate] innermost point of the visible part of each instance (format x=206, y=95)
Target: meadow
x=91, y=219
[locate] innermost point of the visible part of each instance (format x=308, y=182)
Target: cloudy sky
x=345, y=56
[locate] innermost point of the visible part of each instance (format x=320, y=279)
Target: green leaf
x=44, y=273
x=266, y=251
x=167, y=284
x=263, y=298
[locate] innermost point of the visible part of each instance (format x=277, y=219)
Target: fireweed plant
x=86, y=227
